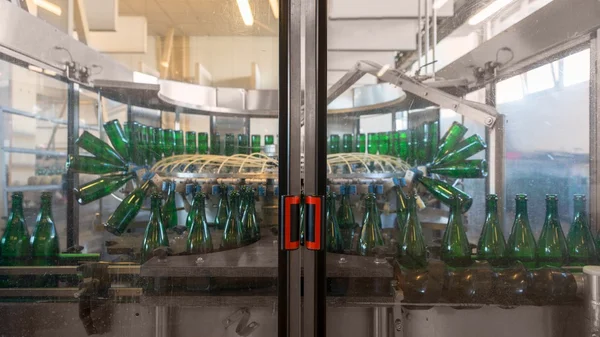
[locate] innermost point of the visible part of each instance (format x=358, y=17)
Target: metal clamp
x=289, y=213
x=314, y=222
x=242, y=316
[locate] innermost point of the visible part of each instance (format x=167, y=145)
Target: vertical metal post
x=594, y=104
x=380, y=322
x=434, y=42
x=427, y=14
x=496, y=153
x=99, y=111
x=72, y=177
x=419, y=35
x=161, y=326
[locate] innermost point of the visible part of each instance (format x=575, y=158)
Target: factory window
x=577, y=68
x=539, y=79
x=509, y=90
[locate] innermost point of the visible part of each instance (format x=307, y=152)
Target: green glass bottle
x=128, y=209
x=434, y=139
x=150, y=147
x=476, y=168
x=222, y=208
x=117, y=137
x=99, y=149
x=450, y=140
x=370, y=234
x=345, y=218
x=269, y=140
x=249, y=224
x=465, y=149
x=229, y=144
x=491, y=245
x=169, y=210
x=443, y=192
x=179, y=147
x=402, y=206
x=156, y=234
x=404, y=145
x=361, y=143
x=233, y=232
x=255, y=143
x=100, y=187
x=423, y=141
x=394, y=142
x=92, y=165
x=44, y=241
x=158, y=143
x=127, y=131
x=136, y=143
x=215, y=144
x=169, y=148
x=334, y=144
x=242, y=143
x=14, y=247
x=552, y=246
x=455, y=250
x=199, y=239
x=190, y=142
x=347, y=143
x=373, y=143
x=202, y=143
x=412, y=252
x=145, y=145
x=521, y=242
x=384, y=143
x=582, y=250
x=334, y=243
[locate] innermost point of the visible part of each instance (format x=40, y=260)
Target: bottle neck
x=155, y=204
x=17, y=206
x=46, y=210
x=491, y=208
x=579, y=210
x=552, y=208
x=521, y=207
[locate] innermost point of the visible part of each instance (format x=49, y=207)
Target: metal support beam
x=594, y=127
x=72, y=177
x=495, y=181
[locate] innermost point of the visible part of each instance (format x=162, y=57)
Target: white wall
x=134, y=60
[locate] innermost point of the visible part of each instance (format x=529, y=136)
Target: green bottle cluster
x=345, y=219
x=199, y=240
x=233, y=233
x=248, y=216
x=334, y=243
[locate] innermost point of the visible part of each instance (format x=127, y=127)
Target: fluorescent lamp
x=165, y=64
x=275, y=8
x=488, y=11
x=49, y=72
x=246, y=12
x=50, y=7
x=437, y=4
x=383, y=70
x=35, y=68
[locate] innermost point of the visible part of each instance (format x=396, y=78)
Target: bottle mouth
x=551, y=197
x=521, y=197
x=491, y=197
x=579, y=197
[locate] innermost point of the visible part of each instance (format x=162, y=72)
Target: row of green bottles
x=199, y=239
x=17, y=248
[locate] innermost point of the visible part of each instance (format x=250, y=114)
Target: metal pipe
x=592, y=300
x=380, y=322
x=419, y=36
x=72, y=177
x=161, y=327
x=427, y=14
x=434, y=44
x=34, y=151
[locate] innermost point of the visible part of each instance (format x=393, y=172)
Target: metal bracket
x=242, y=315
x=481, y=113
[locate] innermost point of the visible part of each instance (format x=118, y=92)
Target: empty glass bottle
x=202, y=143
x=361, y=143
x=373, y=143
x=99, y=148
x=384, y=143
x=370, y=234
x=455, y=250
x=434, y=139
x=145, y=145
x=156, y=234
x=552, y=245
x=191, y=216
x=347, y=143
x=255, y=143
x=14, y=247
x=334, y=243
x=190, y=142
x=269, y=140
x=491, y=245
x=92, y=165
x=179, y=147
x=100, y=187
x=423, y=143
x=403, y=145
x=345, y=218
x=242, y=143
x=229, y=144
x=521, y=242
x=465, y=149
x=44, y=241
x=222, y=208
x=334, y=144
x=158, y=143
x=443, y=192
x=249, y=223
x=127, y=131
x=169, y=210
x=402, y=205
x=215, y=144
x=136, y=143
x=117, y=137
x=412, y=252
x=233, y=232
x=450, y=140
x=582, y=250
x=169, y=148
x=476, y=168
x=199, y=239
x=128, y=209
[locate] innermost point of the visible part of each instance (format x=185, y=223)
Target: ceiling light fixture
x=437, y=4
x=35, y=68
x=246, y=12
x=50, y=7
x=488, y=11
x=275, y=8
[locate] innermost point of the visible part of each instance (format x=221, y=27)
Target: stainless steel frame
x=594, y=129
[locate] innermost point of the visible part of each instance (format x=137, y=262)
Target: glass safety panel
x=140, y=182
x=461, y=168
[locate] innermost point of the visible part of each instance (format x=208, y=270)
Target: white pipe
x=434, y=40
x=419, y=36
